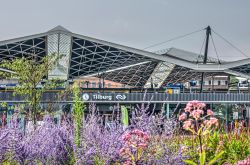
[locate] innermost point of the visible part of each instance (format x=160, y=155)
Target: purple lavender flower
x=49, y=143
x=54, y=144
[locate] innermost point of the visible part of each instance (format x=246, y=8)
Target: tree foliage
x=78, y=112
x=29, y=72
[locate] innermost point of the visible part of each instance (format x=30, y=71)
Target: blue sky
x=135, y=23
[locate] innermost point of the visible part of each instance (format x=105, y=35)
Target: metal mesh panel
x=34, y=47
x=91, y=58
x=242, y=69
x=135, y=76
x=182, y=74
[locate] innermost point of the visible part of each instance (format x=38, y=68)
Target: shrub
x=48, y=144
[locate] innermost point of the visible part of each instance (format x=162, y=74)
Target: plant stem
x=200, y=141
x=199, y=135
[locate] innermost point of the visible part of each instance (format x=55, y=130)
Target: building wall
x=94, y=82
x=220, y=82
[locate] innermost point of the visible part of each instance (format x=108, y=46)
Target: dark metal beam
x=208, y=32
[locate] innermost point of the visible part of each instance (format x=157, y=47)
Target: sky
x=137, y=23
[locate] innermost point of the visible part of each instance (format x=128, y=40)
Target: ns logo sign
x=121, y=97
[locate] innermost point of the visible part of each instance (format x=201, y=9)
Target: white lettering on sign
x=102, y=97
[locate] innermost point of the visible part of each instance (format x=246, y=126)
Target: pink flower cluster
x=242, y=162
x=212, y=121
x=136, y=138
x=195, y=109
x=193, y=105
x=210, y=112
x=188, y=124
x=133, y=141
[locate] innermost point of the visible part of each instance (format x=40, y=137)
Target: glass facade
x=60, y=44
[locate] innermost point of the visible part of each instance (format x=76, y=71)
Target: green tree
x=233, y=82
x=78, y=112
x=29, y=72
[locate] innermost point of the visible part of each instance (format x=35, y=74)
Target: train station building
x=99, y=65
x=89, y=57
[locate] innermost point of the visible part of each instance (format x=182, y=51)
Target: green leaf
x=190, y=162
x=218, y=156
x=199, y=130
x=205, y=133
x=203, y=157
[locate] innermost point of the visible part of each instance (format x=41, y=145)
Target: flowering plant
x=244, y=162
x=236, y=146
x=199, y=122
x=135, y=142
x=196, y=119
x=48, y=144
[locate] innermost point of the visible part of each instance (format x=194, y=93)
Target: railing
x=136, y=97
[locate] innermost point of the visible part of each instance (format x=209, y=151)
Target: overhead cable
x=172, y=39
x=201, y=50
x=215, y=49
x=231, y=44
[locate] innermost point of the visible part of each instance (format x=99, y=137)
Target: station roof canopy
x=85, y=56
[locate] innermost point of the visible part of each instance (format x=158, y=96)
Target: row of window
x=97, y=85
x=109, y=85
x=216, y=82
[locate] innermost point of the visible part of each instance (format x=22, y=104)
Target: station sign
x=103, y=97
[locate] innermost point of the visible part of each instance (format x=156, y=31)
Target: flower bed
x=149, y=139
